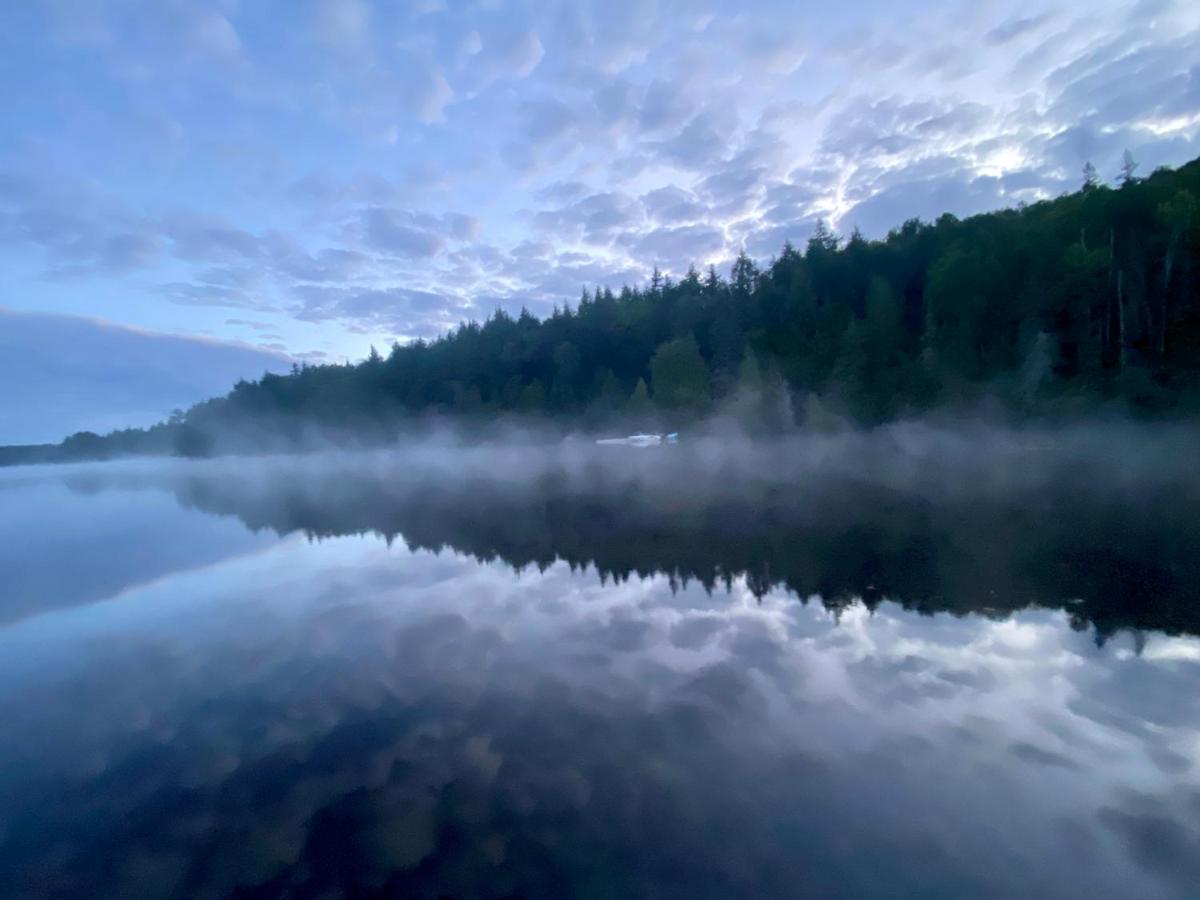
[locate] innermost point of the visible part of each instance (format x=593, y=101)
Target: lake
x=914, y=663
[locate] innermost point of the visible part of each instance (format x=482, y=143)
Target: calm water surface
x=836, y=671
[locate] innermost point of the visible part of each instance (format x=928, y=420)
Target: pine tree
x=639, y=401
x=680, y=375
x=533, y=397
x=743, y=276
x=727, y=341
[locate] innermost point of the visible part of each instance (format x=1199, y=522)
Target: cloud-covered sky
x=313, y=176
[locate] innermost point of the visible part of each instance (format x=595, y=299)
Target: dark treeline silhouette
x=979, y=532
x=1054, y=308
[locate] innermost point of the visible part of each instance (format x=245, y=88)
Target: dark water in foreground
x=886, y=667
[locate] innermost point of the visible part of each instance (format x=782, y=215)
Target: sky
x=310, y=177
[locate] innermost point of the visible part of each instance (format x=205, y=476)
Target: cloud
x=697, y=144
x=1013, y=29
x=208, y=238
x=1067, y=151
x=732, y=191
x=344, y=25
x=426, y=93
x=545, y=120
x=895, y=125
x=501, y=55
x=214, y=35
x=460, y=226
x=766, y=242
x=203, y=293
x=332, y=264
x=405, y=312
x=789, y=202
x=598, y=217
x=923, y=191
x=561, y=191
x=1112, y=86
x=123, y=252
x=614, y=101
x=780, y=51
x=948, y=62
x=672, y=205
x=675, y=248
x=867, y=48
x=663, y=106
x=388, y=230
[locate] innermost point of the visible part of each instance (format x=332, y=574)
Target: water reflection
x=349, y=717
x=1110, y=534
x=64, y=541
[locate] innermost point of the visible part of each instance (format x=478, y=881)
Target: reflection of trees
x=1111, y=559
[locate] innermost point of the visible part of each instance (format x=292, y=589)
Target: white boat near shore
x=642, y=439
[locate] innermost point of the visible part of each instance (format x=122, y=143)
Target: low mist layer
x=1101, y=520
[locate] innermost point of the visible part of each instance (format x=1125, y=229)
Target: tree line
x=1055, y=307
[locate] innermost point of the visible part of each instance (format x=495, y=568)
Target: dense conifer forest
x=1090, y=300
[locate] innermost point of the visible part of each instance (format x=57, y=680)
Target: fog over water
x=918, y=661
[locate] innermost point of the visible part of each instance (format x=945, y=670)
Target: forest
x=1087, y=301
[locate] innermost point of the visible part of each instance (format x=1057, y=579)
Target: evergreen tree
x=639, y=401
x=871, y=368
x=727, y=341
x=533, y=397
x=680, y=375
x=610, y=396
x=744, y=276
x=750, y=376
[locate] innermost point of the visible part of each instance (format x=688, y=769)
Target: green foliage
x=750, y=377
x=192, y=442
x=84, y=445
x=533, y=398
x=680, y=375
x=639, y=400
x=467, y=398
x=968, y=333
x=872, y=370
x=726, y=337
x=610, y=395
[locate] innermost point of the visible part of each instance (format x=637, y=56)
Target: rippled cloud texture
x=314, y=176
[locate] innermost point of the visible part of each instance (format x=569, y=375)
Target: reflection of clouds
x=345, y=697
x=1162, y=834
